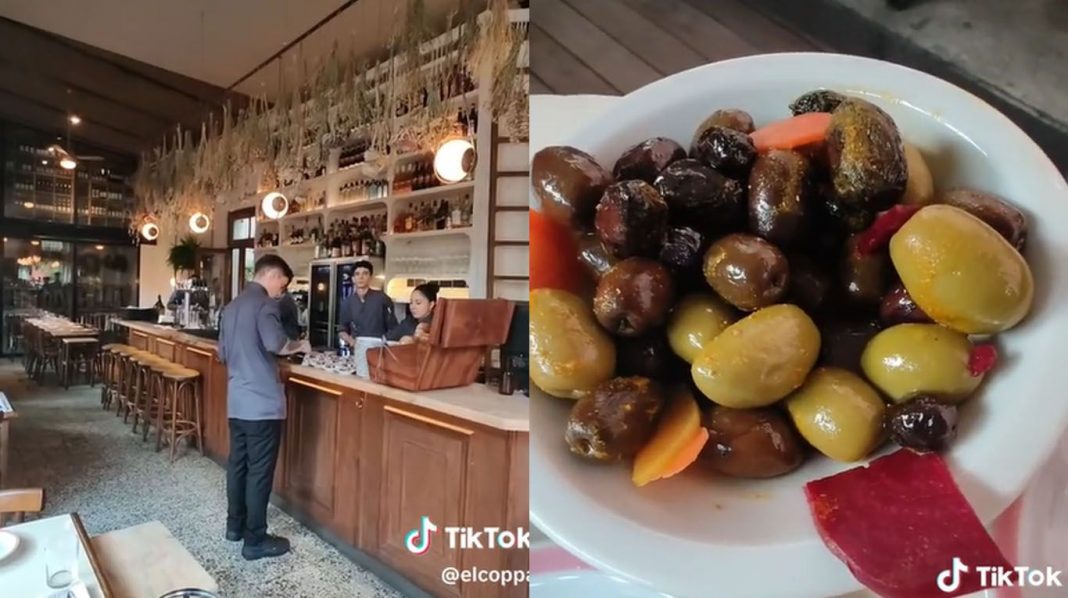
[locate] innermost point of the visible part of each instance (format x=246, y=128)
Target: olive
x=747, y=271
x=910, y=359
x=648, y=356
x=851, y=217
x=864, y=275
x=682, y=250
x=779, y=194
x=697, y=319
x=594, y=256
x=569, y=183
x=898, y=307
x=758, y=359
x=750, y=443
x=923, y=424
x=998, y=213
x=961, y=272
x=866, y=156
x=701, y=197
x=631, y=218
x=919, y=190
x=645, y=160
x=844, y=342
x=615, y=420
x=820, y=100
x=838, y=413
x=809, y=283
x=732, y=118
x=634, y=297
x=570, y=354
x=728, y=151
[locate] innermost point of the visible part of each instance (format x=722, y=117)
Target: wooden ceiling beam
x=20, y=111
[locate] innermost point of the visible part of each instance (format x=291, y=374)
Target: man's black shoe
x=233, y=536
x=271, y=546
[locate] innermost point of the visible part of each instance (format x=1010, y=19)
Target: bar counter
x=361, y=463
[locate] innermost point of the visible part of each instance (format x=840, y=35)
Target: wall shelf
x=426, y=234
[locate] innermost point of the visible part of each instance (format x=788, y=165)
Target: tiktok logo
x=418, y=540
x=949, y=585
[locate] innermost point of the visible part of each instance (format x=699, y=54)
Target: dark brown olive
x=866, y=156
x=728, y=151
x=898, y=307
x=631, y=218
x=594, y=256
x=615, y=420
x=634, y=297
x=702, y=198
x=746, y=271
x=732, y=118
x=682, y=250
x=750, y=443
x=991, y=209
x=779, y=194
x=650, y=356
x=864, y=276
x=809, y=284
x=843, y=342
x=645, y=160
x=852, y=218
x=922, y=424
x=569, y=183
x=820, y=100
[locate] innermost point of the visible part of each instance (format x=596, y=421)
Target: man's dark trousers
x=250, y=475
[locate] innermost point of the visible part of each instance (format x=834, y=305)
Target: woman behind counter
x=416, y=327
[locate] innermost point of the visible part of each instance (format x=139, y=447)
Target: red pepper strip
x=877, y=236
x=982, y=359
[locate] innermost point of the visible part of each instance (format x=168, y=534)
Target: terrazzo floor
x=89, y=462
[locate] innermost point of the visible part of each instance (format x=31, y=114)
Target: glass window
x=241, y=229
x=37, y=275
x=107, y=276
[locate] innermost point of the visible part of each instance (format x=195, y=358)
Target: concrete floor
x=90, y=463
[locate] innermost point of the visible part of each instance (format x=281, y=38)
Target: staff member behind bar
x=250, y=335
x=366, y=312
x=416, y=327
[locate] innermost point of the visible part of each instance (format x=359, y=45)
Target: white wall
x=155, y=275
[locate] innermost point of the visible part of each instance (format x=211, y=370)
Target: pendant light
x=150, y=231
x=454, y=160
x=199, y=223
x=274, y=205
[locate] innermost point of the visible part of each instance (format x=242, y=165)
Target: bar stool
x=79, y=352
x=154, y=404
x=145, y=385
x=182, y=399
x=109, y=373
x=126, y=372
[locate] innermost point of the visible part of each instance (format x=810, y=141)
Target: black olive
x=820, y=100
x=701, y=198
x=645, y=160
x=728, y=151
x=631, y=218
x=683, y=250
x=923, y=424
x=649, y=356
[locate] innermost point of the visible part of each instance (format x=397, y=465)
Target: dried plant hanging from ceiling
x=399, y=105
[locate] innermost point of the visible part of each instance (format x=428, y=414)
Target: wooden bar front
x=366, y=462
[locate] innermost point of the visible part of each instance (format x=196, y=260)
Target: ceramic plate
x=694, y=535
x=8, y=543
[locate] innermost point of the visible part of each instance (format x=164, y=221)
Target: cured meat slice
x=900, y=523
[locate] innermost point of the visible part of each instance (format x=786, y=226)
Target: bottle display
x=414, y=175
x=355, y=236
x=434, y=214
x=363, y=190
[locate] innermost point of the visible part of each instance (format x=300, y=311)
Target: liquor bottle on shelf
x=442, y=215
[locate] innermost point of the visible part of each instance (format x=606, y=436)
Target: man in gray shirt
x=366, y=312
x=250, y=336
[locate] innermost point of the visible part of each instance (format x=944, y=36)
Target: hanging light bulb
x=454, y=160
x=150, y=231
x=68, y=163
x=199, y=222
x=274, y=205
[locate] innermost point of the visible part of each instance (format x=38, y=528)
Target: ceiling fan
x=66, y=158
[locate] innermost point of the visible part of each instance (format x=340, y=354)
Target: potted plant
x=183, y=255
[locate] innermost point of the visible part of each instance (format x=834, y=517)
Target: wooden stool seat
x=180, y=373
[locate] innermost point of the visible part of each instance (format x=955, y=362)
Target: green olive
x=961, y=272
x=758, y=359
x=570, y=353
x=910, y=359
x=838, y=413
x=697, y=319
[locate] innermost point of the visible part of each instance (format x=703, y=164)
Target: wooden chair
x=15, y=504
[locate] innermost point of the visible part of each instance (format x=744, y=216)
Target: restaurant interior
x=152, y=153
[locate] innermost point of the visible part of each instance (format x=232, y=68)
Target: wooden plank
x=619, y=66
x=638, y=34
x=762, y=32
x=560, y=69
x=538, y=86
x=146, y=560
x=696, y=29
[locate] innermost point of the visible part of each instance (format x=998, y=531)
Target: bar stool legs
x=183, y=403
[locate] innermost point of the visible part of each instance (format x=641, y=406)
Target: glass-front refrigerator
x=320, y=290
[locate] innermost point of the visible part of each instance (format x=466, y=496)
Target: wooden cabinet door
x=311, y=447
x=139, y=340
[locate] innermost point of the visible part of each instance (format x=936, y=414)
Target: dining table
x=141, y=561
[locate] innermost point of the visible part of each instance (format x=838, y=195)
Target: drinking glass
x=61, y=560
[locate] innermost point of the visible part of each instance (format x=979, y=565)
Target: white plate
x=8, y=543
x=583, y=584
x=691, y=535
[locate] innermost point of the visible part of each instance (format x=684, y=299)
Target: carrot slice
x=688, y=454
x=793, y=132
x=554, y=256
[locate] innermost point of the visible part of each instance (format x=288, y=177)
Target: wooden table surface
x=147, y=561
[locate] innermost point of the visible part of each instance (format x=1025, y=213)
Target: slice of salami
x=900, y=523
